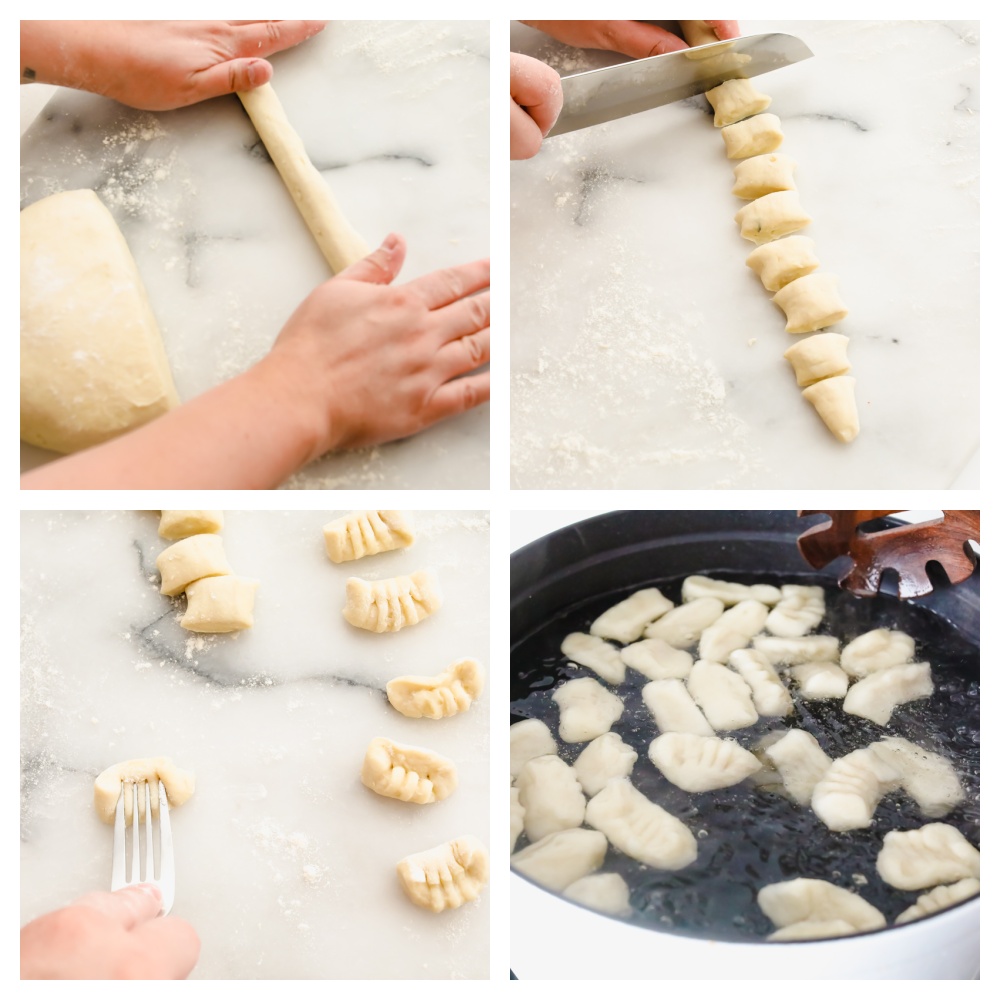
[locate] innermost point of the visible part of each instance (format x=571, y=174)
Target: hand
x=157, y=65
x=632, y=38
x=109, y=935
x=535, y=101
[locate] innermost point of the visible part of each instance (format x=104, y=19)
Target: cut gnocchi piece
x=529, y=739
x=813, y=930
x=192, y=559
x=389, y=605
x=450, y=692
x=673, y=708
x=800, y=761
x=772, y=216
x=764, y=174
x=183, y=523
x=602, y=759
x=834, y=401
x=445, y=877
x=586, y=709
x=606, y=891
x=928, y=778
x=178, y=784
x=810, y=302
x=876, y=696
x=625, y=621
x=694, y=588
x=819, y=357
x=367, y=532
x=809, y=648
x=562, y=858
x=799, y=611
x=939, y=898
x=814, y=900
x=683, y=626
x=410, y=774
x=516, y=817
x=220, y=604
x=732, y=631
x=657, y=660
x=701, y=763
x=770, y=696
x=820, y=680
x=918, y=859
x=876, y=650
x=595, y=654
x=640, y=828
x=722, y=695
x=551, y=795
x=735, y=100
x=760, y=134
x=782, y=261
x=846, y=795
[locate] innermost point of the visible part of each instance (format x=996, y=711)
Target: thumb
x=229, y=77
x=127, y=907
x=381, y=266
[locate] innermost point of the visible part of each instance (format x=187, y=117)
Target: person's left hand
x=535, y=102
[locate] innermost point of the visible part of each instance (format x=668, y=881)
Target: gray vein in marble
x=591, y=180
x=815, y=116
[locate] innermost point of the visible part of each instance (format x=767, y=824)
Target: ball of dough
x=772, y=216
x=810, y=302
x=835, y=403
x=782, y=261
x=763, y=174
x=819, y=357
x=760, y=134
x=735, y=100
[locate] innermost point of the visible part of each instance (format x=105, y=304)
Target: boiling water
x=749, y=837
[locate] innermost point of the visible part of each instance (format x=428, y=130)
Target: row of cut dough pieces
x=810, y=301
x=451, y=874
x=217, y=599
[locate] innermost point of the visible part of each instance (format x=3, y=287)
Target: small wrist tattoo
x=28, y=74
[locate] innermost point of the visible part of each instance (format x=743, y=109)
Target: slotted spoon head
x=907, y=549
x=118, y=874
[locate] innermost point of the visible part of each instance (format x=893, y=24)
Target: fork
x=166, y=879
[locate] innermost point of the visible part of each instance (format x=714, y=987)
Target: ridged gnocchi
x=701, y=763
x=452, y=691
x=368, y=532
x=447, y=876
x=389, y=605
x=407, y=773
x=918, y=859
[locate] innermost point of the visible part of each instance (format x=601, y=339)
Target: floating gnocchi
x=367, y=532
x=819, y=357
x=625, y=621
x=178, y=784
x=770, y=696
x=192, y=559
x=927, y=777
x=220, y=604
x=799, y=611
x=389, y=605
x=683, y=626
x=410, y=774
x=875, y=651
x=722, y=695
x=606, y=891
x=516, y=817
x=877, y=696
x=595, y=654
x=734, y=630
x=586, y=709
x=445, y=877
x=602, y=759
x=800, y=762
x=812, y=900
x=562, y=858
x=810, y=302
x=701, y=763
x=551, y=795
x=673, y=709
x=657, y=660
x=760, y=134
x=846, y=795
x=918, y=859
x=450, y=692
x=695, y=588
x=939, y=898
x=770, y=217
x=778, y=650
x=819, y=680
x=183, y=523
x=640, y=828
x=834, y=401
x=735, y=100
x=782, y=261
x=528, y=739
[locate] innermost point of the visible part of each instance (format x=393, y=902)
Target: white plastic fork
x=166, y=879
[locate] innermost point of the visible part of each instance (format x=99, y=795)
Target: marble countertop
x=285, y=861
x=632, y=309
x=395, y=115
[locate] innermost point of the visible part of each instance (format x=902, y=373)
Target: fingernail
x=390, y=242
x=151, y=890
x=251, y=75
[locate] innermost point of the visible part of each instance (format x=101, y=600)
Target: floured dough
x=735, y=100
x=918, y=859
x=560, y=859
x=701, y=763
x=625, y=621
x=818, y=680
x=92, y=361
x=722, y=695
x=367, y=532
x=770, y=696
x=939, y=898
x=877, y=695
x=551, y=795
x=771, y=216
x=445, y=877
x=189, y=560
x=876, y=650
x=340, y=244
x=594, y=653
x=447, y=694
x=586, y=709
x=410, y=774
x=683, y=626
x=800, y=761
x=819, y=357
x=764, y=174
x=673, y=708
x=606, y=891
x=529, y=738
x=602, y=759
x=389, y=605
x=178, y=784
x=760, y=134
x=799, y=611
x=657, y=660
x=835, y=403
x=813, y=900
x=782, y=261
x=220, y=604
x=810, y=302
x=182, y=523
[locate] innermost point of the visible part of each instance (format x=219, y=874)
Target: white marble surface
x=285, y=861
x=395, y=115
x=632, y=307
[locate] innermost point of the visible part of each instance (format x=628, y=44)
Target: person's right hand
x=631, y=38
x=109, y=935
x=535, y=102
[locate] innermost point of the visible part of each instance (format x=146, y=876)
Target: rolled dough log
x=340, y=243
x=92, y=361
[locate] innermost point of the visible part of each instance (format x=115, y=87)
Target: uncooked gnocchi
x=191, y=559
x=810, y=302
x=367, y=532
x=445, y=877
x=178, y=784
x=761, y=175
x=438, y=697
x=735, y=100
x=760, y=134
x=410, y=774
x=835, y=403
x=183, y=523
x=819, y=357
x=220, y=604
x=782, y=261
x=389, y=605
x=771, y=216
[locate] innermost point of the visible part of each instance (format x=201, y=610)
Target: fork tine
x=134, y=874
x=150, y=870
x=118, y=855
x=166, y=879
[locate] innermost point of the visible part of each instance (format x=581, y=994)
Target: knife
x=602, y=95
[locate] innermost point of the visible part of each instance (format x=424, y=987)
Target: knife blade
x=602, y=95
